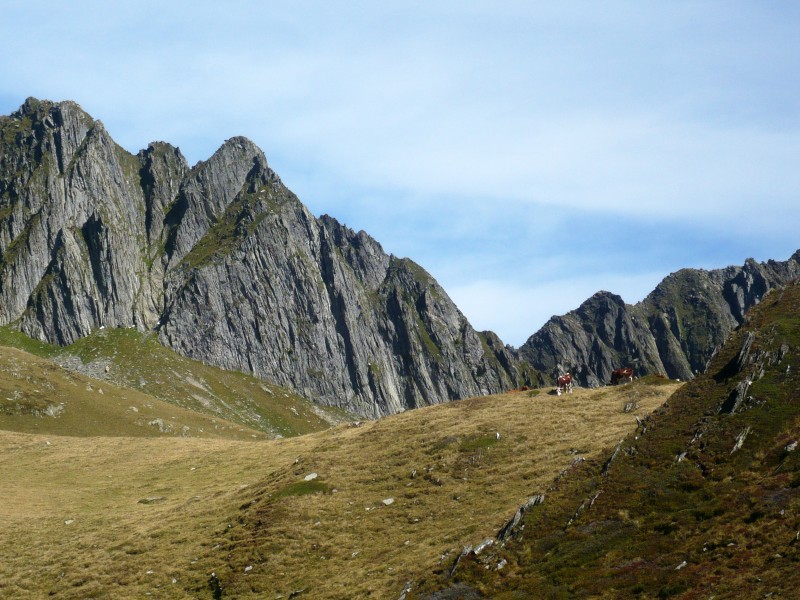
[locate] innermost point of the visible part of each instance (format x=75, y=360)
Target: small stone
x=310, y=477
x=388, y=501
x=152, y=500
x=248, y=568
x=680, y=566
x=69, y=521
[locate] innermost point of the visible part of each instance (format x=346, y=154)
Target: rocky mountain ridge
x=229, y=267
x=674, y=331
x=226, y=264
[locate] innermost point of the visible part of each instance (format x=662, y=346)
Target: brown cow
x=564, y=384
x=621, y=375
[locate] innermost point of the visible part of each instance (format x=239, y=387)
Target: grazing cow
x=564, y=384
x=621, y=375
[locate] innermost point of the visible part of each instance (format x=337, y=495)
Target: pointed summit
x=226, y=264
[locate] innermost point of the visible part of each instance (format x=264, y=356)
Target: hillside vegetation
x=122, y=364
x=38, y=396
x=703, y=501
x=130, y=517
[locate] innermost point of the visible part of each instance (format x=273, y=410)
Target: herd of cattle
x=564, y=383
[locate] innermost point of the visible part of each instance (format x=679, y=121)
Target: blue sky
x=527, y=154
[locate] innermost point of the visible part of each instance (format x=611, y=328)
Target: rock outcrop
x=673, y=331
x=227, y=265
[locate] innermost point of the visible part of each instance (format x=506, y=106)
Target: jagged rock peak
x=40, y=109
x=226, y=264
x=239, y=150
x=600, y=299
x=673, y=331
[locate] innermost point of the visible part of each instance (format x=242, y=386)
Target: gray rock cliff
x=227, y=265
x=673, y=331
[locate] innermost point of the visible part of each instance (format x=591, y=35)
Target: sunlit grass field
x=173, y=517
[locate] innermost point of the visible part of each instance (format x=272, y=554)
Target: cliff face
x=673, y=331
x=227, y=264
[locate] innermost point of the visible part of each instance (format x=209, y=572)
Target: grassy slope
x=720, y=522
x=38, y=396
x=137, y=361
x=226, y=506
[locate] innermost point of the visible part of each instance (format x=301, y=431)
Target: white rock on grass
x=310, y=477
x=388, y=501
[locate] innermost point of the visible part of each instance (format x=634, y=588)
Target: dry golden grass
x=238, y=509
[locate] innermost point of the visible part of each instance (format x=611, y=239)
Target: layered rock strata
x=226, y=264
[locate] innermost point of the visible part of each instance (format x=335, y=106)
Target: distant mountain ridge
x=226, y=264
x=673, y=331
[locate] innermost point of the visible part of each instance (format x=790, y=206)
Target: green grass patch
x=16, y=339
x=137, y=361
x=240, y=219
x=302, y=488
x=478, y=442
